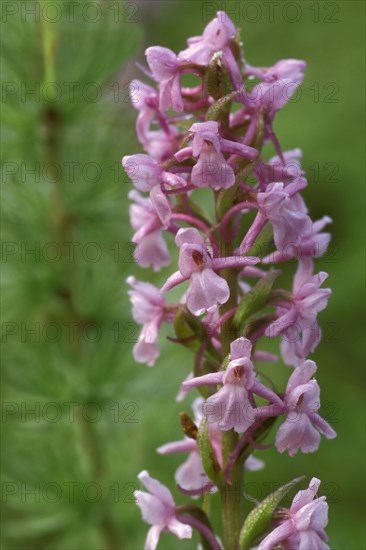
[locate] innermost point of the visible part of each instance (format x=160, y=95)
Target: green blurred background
x=69, y=467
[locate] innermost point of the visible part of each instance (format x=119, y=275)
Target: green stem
x=231, y=495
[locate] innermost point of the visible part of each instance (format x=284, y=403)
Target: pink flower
x=303, y=525
x=147, y=173
x=206, y=289
x=152, y=249
x=165, y=67
x=158, y=144
x=190, y=475
x=312, y=244
x=270, y=97
x=233, y=405
x=278, y=170
x=145, y=100
x=297, y=318
x=287, y=215
x=149, y=309
x=211, y=169
x=158, y=509
x=266, y=99
x=217, y=36
x=300, y=431
x=292, y=69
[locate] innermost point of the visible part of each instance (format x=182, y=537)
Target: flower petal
x=156, y=488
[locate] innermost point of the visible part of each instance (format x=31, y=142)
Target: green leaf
x=207, y=454
x=259, y=519
x=217, y=80
x=191, y=333
x=256, y=299
x=256, y=322
x=221, y=108
x=261, y=246
x=225, y=199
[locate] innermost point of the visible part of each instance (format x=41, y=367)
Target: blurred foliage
x=99, y=417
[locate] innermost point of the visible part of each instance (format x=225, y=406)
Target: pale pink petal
x=323, y=426
x=183, y=446
x=152, y=538
x=179, y=529
x=310, y=539
x=241, y=347
x=145, y=352
x=216, y=287
x=297, y=434
x=152, y=251
x=206, y=290
x=161, y=204
x=211, y=170
x=313, y=515
x=281, y=533
x=305, y=496
x=212, y=378
x=176, y=95
x=152, y=508
x=189, y=235
x=156, y=488
x=190, y=474
x=253, y=464
x=301, y=375
x=183, y=391
x=143, y=170
x=162, y=62
x=303, y=272
x=230, y=408
x=172, y=281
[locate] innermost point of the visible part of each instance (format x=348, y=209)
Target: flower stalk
x=218, y=136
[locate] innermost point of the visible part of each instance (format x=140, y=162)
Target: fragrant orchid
x=150, y=310
x=165, y=67
x=233, y=406
x=191, y=476
x=208, y=139
x=158, y=509
x=300, y=431
x=206, y=289
x=297, y=317
x=303, y=525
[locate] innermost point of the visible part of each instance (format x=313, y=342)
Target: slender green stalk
x=231, y=495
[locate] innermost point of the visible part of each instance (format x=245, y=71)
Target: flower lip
x=198, y=258
x=299, y=401
x=238, y=371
